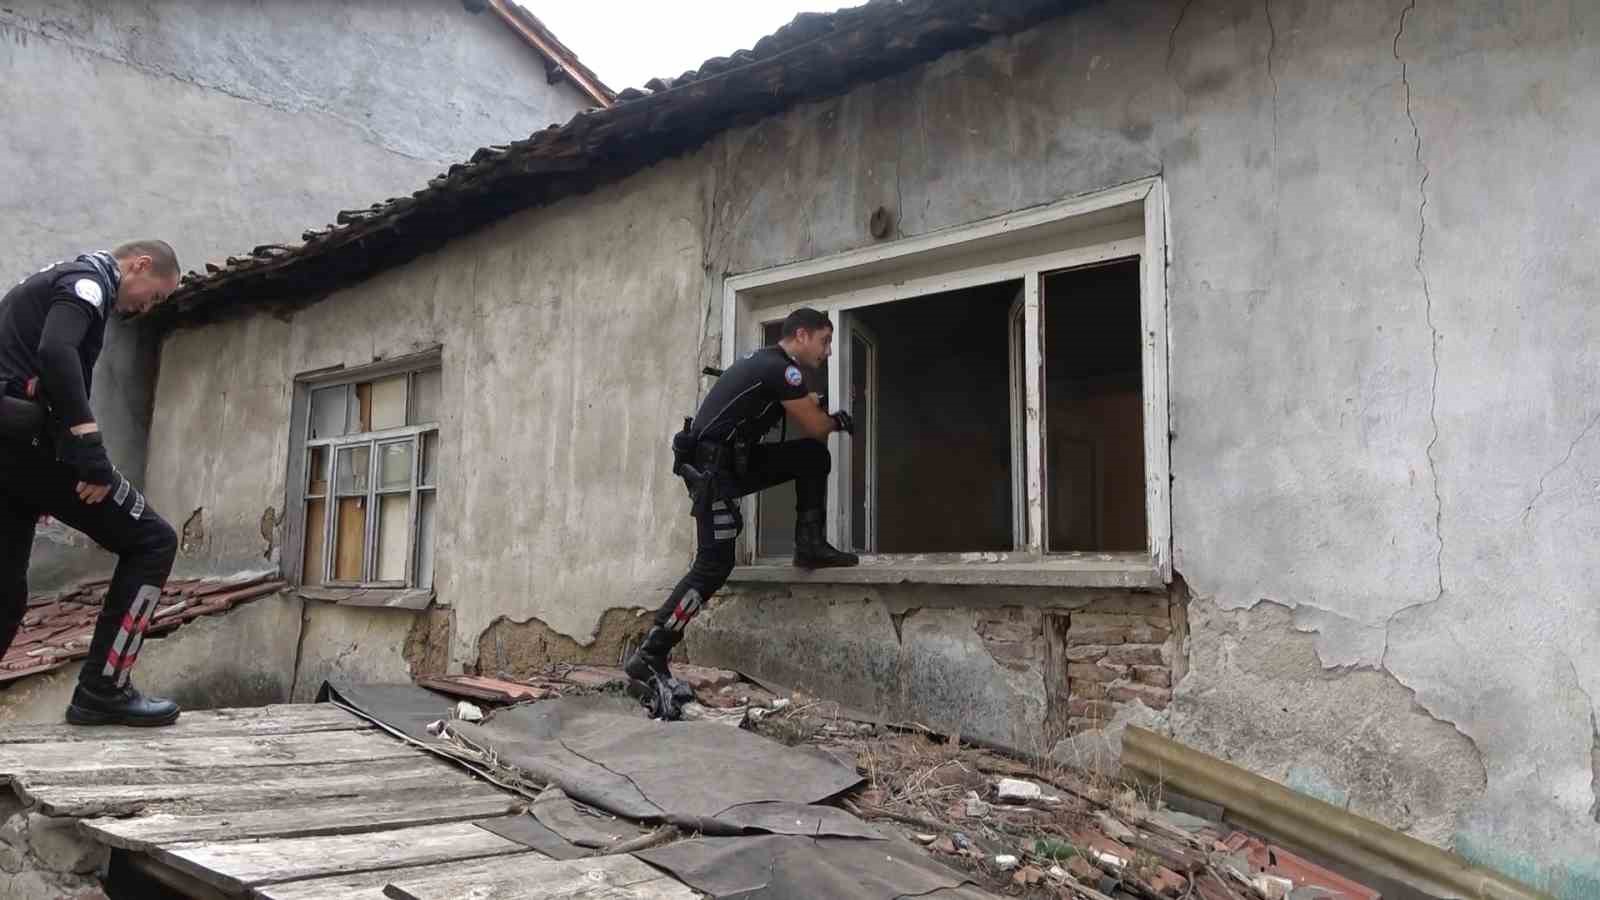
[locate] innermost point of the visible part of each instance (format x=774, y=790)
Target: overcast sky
x=629, y=42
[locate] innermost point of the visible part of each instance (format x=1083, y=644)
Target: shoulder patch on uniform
x=87, y=289
x=793, y=376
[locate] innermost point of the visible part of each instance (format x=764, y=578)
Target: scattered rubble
x=1018, y=830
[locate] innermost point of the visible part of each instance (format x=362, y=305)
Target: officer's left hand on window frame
x=842, y=421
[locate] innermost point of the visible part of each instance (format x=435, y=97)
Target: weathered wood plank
x=238, y=865
x=21, y=761
x=373, y=812
x=601, y=878
x=280, y=719
x=222, y=789
x=366, y=885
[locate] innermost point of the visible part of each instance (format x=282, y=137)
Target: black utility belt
x=732, y=457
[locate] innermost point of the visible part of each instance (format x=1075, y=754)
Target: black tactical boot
x=653, y=684
x=107, y=705
x=811, y=548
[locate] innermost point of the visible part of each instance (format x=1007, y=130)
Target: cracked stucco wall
x=223, y=124
x=1383, y=372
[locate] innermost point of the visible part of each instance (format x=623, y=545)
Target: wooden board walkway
x=296, y=802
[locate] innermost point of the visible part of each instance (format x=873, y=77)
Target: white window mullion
x=1033, y=419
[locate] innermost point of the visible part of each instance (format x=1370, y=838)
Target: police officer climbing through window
x=721, y=458
x=53, y=462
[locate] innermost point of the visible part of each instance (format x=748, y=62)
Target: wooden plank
x=251, y=751
x=600, y=878
x=239, y=865
x=368, y=885
x=90, y=794
x=294, y=718
x=369, y=812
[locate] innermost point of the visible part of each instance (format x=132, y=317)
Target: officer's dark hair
x=160, y=253
x=807, y=318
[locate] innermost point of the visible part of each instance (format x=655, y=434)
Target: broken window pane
x=394, y=466
x=350, y=539
x=426, y=501
x=317, y=472
x=426, y=388
x=394, y=531
x=360, y=410
x=316, y=534
x=355, y=468
x=430, y=458
x=389, y=403
x=327, y=412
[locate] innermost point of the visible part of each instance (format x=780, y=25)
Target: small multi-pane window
x=371, y=481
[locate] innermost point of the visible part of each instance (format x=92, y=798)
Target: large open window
x=1009, y=384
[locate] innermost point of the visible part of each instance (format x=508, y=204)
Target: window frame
x=1121, y=223
x=301, y=449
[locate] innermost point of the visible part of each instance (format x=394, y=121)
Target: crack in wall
x=1528, y=510
x=1172, y=42
x=1427, y=294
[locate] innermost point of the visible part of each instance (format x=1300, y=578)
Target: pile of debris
x=1038, y=830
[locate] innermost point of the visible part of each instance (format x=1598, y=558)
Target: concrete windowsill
x=1130, y=571
x=390, y=598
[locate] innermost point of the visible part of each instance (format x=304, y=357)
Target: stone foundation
x=45, y=857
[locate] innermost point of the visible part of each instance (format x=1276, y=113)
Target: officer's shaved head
x=163, y=261
x=807, y=319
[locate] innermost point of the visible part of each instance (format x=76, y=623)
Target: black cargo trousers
x=805, y=462
x=32, y=483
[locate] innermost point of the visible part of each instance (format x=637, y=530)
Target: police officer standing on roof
x=721, y=456
x=53, y=462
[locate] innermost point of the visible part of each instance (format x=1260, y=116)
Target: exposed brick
x=1160, y=676
x=1106, y=620
x=1150, y=695
x=1091, y=709
x=1089, y=690
x=1094, y=672
x=1125, y=603
x=1097, y=634
x=1086, y=653
x=1135, y=655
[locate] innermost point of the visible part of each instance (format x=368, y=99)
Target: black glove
x=843, y=422
x=86, y=454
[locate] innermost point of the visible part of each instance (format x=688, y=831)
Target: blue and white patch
x=793, y=376
x=88, y=289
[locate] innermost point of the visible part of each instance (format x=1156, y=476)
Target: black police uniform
x=743, y=406
x=52, y=327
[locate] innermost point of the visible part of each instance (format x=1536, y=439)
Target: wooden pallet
x=292, y=802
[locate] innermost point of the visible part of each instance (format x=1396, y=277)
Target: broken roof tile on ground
x=57, y=627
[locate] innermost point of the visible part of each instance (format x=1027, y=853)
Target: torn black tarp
x=700, y=776
x=783, y=867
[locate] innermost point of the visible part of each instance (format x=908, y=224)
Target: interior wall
x=944, y=421
x=1094, y=409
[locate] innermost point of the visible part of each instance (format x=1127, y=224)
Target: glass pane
x=389, y=403
x=426, y=388
x=394, y=466
x=394, y=531
x=426, y=503
x=355, y=467
x=327, y=412
x=350, y=539
x=317, y=472
x=430, y=458
x=361, y=410
x=316, y=535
